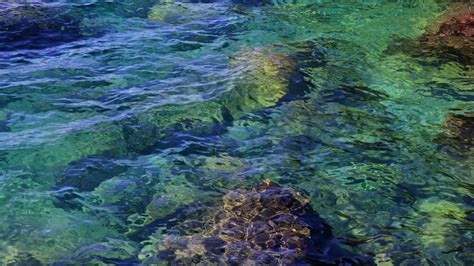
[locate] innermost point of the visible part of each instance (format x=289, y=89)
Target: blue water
x=116, y=115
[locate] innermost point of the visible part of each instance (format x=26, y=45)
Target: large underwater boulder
x=459, y=25
x=449, y=38
x=453, y=29
x=458, y=20
x=261, y=80
x=268, y=225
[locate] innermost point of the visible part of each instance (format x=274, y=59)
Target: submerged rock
x=262, y=80
x=251, y=3
x=265, y=80
x=454, y=29
x=169, y=200
x=459, y=25
x=449, y=38
x=458, y=20
x=460, y=127
x=88, y=173
x=179, y=12
x=175, y=11
x=36, y=27
x=265, y=225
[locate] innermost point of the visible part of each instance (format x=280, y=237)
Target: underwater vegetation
x=144, y=132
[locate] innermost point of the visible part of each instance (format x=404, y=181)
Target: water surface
x=114, y=115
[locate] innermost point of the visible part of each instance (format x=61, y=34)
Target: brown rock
x=457, y=20
x=459, y=25
x=268, y=224
x=455, y=28
x=460, y=127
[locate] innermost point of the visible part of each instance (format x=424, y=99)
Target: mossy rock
x=88, y=173
x=164, y=205
x=111, y=252
x=173, y=11
x=251, y=3
x=170, y=196
x=261, y=81
x=264, y=79
x=182, y=12
x=442, y=217
x=217, y=172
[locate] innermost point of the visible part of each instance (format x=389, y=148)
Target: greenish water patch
x=109, y=134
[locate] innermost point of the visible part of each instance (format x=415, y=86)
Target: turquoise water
x=114, y=116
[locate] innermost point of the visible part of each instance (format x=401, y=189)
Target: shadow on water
x=39, y=25
x=36, y=27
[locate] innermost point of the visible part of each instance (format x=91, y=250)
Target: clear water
x=149, y=109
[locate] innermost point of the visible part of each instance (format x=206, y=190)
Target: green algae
x=440, y=219
x=170, y=197
x=259, y=89
x=60, y=232
x=371, y=163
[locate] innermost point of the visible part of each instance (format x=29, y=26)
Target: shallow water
x=109, y=126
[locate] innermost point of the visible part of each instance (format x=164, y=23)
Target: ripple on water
x=119, y=120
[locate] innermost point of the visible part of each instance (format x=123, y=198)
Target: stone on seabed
x=460, y=127
x=267, y=225
x=455, y=28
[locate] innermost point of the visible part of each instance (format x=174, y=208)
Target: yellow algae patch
x=443, y=218
x=263, y=79
x=179, y=12
x=165, y=10
x=382, y=259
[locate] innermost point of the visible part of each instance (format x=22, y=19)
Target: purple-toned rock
x=268, y=225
